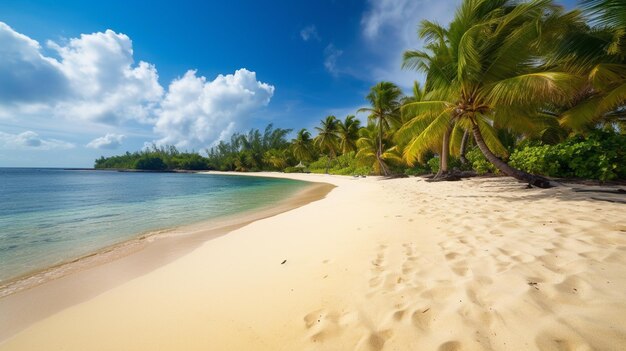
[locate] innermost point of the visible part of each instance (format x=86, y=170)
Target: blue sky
x=83, y=79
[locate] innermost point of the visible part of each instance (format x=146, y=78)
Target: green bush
x=601, y=155
x=294, y=170
x=478, y=162
x=453, y=163
x=342, y=165
x=433, y=164
x=319, y=166
x=418, y=170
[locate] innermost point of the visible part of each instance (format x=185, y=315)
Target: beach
x=399, y=264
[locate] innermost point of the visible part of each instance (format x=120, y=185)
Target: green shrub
x=433, y=164
x=294, y=170
x=601, y=155
x=418, y=170
x=478, y=162
x=320, y=164
x=453, y=163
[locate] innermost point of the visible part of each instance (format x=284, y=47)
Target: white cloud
x=94, y=78
x=310, y=32
x=110, y=141
x=390, y=28
x=26, y=75
x=195, y=112
x=106, y=85
x=93, y=81
x=30, y=140
x=331, y=55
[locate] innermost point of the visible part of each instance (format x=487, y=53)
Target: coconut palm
x=302, y=146
x=327, y=138
x=348, y=132
x=368, y=153
x=277, y=158
x=384, y=98
x=599, y=54
x=485, y=70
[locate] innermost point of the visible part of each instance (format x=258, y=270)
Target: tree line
x=524, y=89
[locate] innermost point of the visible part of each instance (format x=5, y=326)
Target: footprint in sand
x=451, y=256
x=323, y=324
x=460, y=268
x=422, y=318
x=547, y=341
x=450, y=346
x=375, y=341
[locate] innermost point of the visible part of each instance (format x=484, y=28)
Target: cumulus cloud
x=94, y=78
x=331, y=55
x=30, y=140
x=310, y=32
x=106, y=85
x=195, y=111
x=110, y=141
x=390, y=27
x=26, y=75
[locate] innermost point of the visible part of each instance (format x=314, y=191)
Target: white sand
x=395, y=265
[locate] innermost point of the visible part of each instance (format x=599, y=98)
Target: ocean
x=51, y=216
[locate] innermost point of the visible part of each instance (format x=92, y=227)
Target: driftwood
x=608, y=191
x=396, y=176
x=453, y=176
x=610, y=200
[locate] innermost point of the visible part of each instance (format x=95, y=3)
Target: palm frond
x=616, y=98
x=581, y=115
x=532, y=88
x=490, y=135
x=604, y=75
x=455, y=139
x=427, y=139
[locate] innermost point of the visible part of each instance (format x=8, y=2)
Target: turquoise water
x=50, y=216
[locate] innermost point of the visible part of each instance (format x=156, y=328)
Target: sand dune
x=482, y=264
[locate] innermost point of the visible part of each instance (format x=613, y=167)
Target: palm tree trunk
x=379, y=154
x=463, y=148
x=531, y=179
x=328, y=164
x=445, y=153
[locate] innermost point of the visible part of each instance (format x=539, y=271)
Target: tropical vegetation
x=520, y=88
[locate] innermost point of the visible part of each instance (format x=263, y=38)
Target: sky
x=84, y=79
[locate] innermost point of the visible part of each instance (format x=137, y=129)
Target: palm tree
x=369, y=154
x=384, y=98
x=302, y=146
x=485, y=70
x=599, y=54
x=327, y=138
x=276, y=158
x=348, y=132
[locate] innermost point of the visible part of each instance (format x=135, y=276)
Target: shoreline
x=24, y=294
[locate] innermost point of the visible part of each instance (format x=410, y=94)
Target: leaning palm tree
x=302, y=146
x=384, y=98
x=327, y=138
x=348, y=132
x=487, y=71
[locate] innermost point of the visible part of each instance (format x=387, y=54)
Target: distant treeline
x=155, y=158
